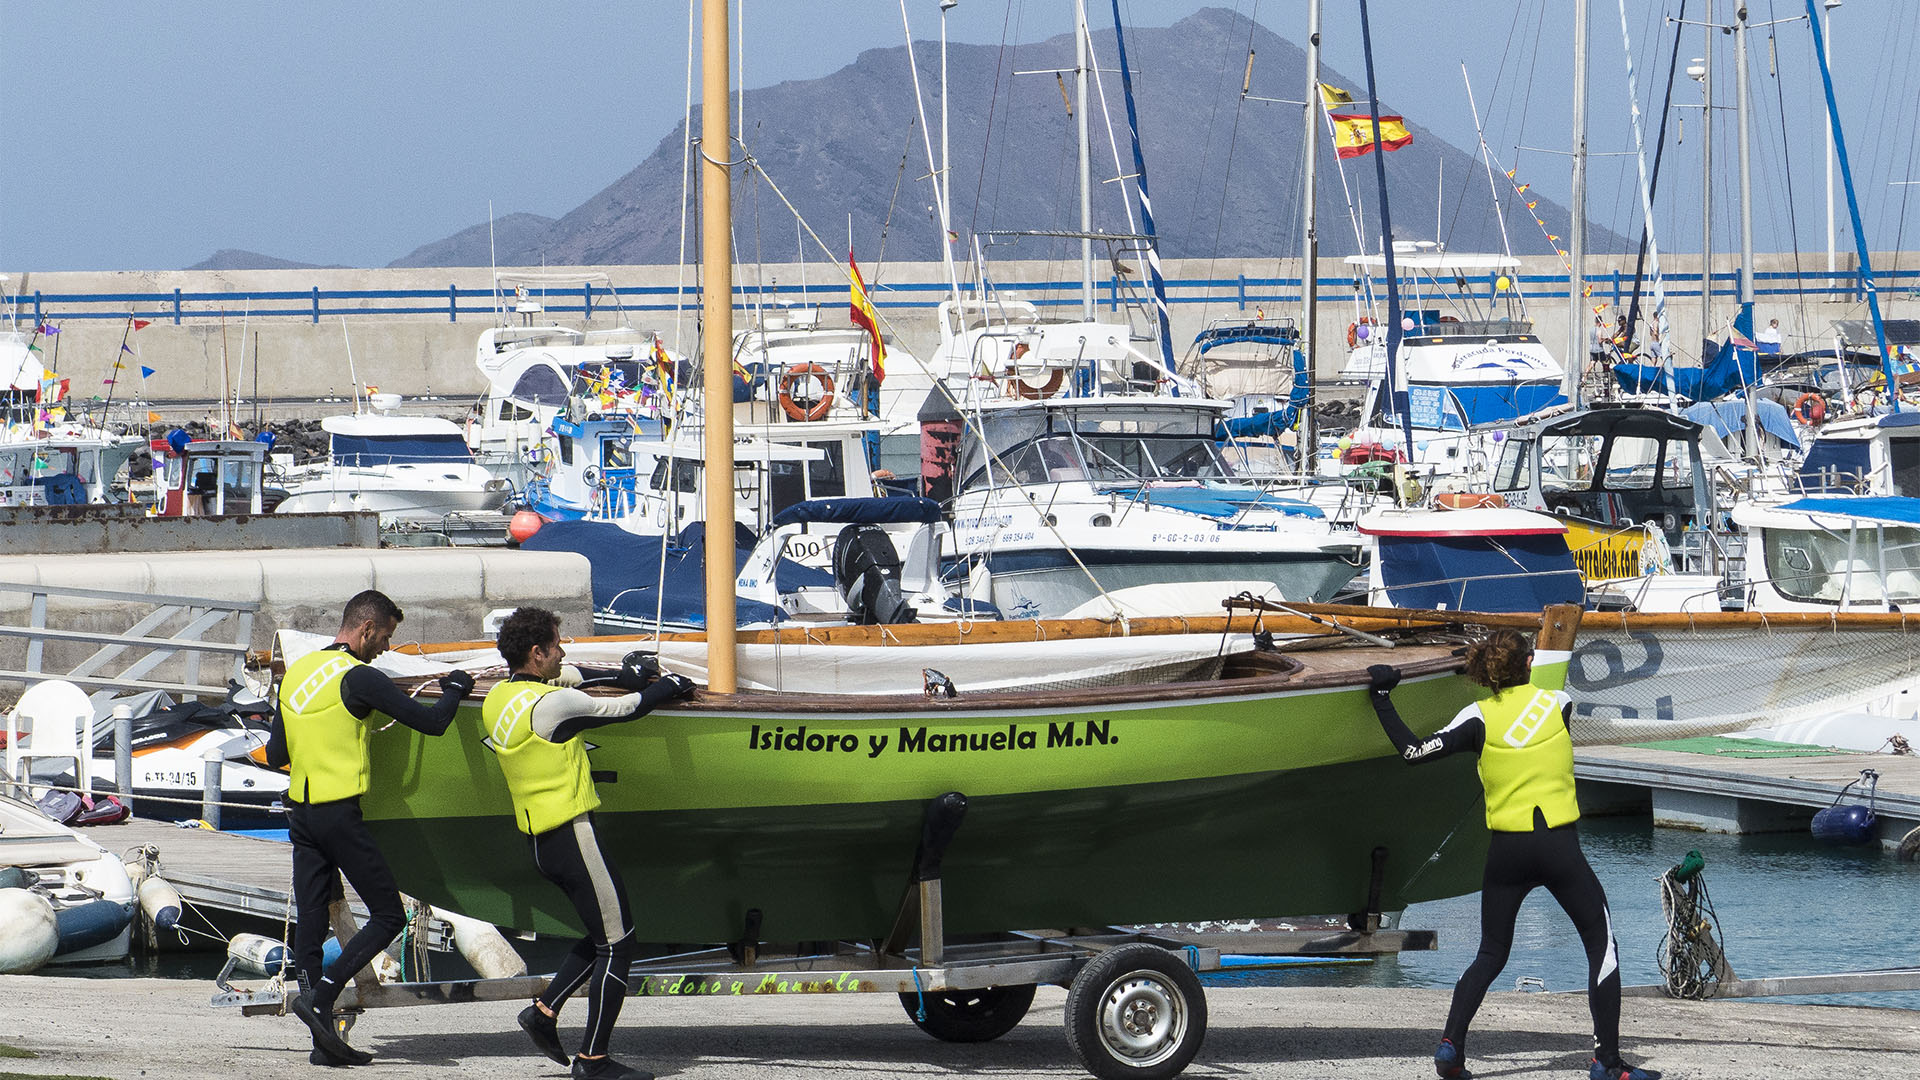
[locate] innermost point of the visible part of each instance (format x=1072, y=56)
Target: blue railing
x=589, y=298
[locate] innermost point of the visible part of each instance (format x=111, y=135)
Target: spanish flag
x=864, y=316
x=1353, y=134
x=662, y=366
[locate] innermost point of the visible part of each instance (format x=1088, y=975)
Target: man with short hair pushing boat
x=326, y=698
x=1522, y=735
x=533, y=721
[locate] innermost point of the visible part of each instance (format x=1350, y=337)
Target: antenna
x=351, y=373
x=493, y=260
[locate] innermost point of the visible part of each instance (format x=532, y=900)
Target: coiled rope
x=1692, y=960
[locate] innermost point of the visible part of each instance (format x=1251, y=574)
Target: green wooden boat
x=1263, y=791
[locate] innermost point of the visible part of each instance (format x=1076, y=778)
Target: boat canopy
x=376, y=450
x=1881, y=509
x=1727, y=418
x=1508, y=573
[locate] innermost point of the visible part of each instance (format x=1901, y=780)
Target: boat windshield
x=377, y=450
x=1821, y=566
x=1110, y=459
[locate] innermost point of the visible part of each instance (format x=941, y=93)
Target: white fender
x=29, y=933
x=258, y=954
x=482, y=945
x=160, y=902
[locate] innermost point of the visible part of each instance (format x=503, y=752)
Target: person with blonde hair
x=1522, y=735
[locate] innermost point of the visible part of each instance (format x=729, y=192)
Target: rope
x=919, y=1014
x=147, y=798
x=1692, y=960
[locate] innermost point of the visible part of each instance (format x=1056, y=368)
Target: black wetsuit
x=1517, y=863
x=330, y=839
x=571, y=857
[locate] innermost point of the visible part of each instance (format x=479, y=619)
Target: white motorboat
x=402, y=467
x=86, y=886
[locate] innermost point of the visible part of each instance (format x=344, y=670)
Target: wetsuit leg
x=1504, y=886
x=341, y=835
x=570, y=857
x=1573, y=883
x=313, y=879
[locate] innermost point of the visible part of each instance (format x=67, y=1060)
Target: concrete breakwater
x=288, y=334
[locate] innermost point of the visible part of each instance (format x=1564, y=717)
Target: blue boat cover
x=859, y=511
x=627, y=579
x=1728, y=370
x=1884, y=509
x=1217, y=501
x=1479, y=573
x=1835, y=465
x=1727, y=417
x=376, y=450
x=1459, y=406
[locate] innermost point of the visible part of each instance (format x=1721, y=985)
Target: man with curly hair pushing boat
x=534, y=721
x=1522, y=735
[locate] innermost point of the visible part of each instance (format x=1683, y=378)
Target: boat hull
x=1170, y=806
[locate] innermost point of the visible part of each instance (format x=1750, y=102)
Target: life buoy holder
x=1353, y=330
x=1811, y=409
x=795, y=380
x=1021, y=388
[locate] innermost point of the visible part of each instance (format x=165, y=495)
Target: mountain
x=235, y=259
x=513, y=240
x=1225, y=171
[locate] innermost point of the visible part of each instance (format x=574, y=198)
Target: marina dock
x=150, y=1029
x=1779, y=792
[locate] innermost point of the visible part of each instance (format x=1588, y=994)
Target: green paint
x=1175, y=810
x=15, y=1052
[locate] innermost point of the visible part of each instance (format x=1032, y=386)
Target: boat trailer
x=1135, y=1010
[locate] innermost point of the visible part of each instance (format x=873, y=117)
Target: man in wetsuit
x=1522, y=735
x=326, y=700
x=534, y=721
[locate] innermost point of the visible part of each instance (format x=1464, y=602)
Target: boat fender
x=94, y=922
x=29, y=931
x=1811, y=409
x=1845, y=824
x=796, y=379
x=160, y=902
x=15, y=877
x=482, y=945
x=258, y=954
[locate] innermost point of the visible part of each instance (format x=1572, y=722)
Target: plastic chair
x=53, y=720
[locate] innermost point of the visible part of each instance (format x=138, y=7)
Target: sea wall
x=254, y=334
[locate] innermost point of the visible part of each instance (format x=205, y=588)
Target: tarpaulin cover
x=626, y=572
x=859, y=511
x=1727, y=417
x=1890, y=509
x=376, y=450
x=1477, y=573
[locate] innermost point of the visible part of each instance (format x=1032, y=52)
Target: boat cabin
x=1833, y=552
x=62, y=470
x=214, y=477
x=1873, y=455
x=1616, y=466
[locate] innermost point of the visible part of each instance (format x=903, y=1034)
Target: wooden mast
x=716, y=341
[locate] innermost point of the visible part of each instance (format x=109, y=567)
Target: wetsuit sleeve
x=561, y=715
x=1466, y=732
x=366, y=690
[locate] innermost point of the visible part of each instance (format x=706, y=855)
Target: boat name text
x=925, y=740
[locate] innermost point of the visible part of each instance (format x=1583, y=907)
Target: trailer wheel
x=969, y=1016
x=1136, y=1012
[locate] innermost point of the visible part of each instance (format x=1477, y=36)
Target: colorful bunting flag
x=141, y=324
x=49, y=329
x=146, y=372
x=125, y=348
x=153, y=418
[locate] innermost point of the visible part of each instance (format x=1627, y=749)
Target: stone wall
x=223, y=341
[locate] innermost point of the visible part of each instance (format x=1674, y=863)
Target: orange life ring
x=1021, y=388
x=1353, y=328
x=794, y=379
x=1811, y=409
x=1467, y=500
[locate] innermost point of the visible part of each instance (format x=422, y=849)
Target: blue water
x=1787, y=906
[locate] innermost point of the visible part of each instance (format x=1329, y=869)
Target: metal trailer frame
x=1136, y=1009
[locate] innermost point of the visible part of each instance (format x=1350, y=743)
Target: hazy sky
x=149, y=136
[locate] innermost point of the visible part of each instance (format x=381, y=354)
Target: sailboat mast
x=1577, y=227
x=1706, y=182
x=716, y=342
x=1853, y=213
x=1396, y=382
x=1086, y=159
x=1746, y=176
x=1308, y=448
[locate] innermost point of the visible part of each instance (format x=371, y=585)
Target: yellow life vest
x=328, y=745
x=551, y=783
x=1527, y=761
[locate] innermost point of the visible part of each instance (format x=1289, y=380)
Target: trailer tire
x=1136, y=1012
x=969, y=1016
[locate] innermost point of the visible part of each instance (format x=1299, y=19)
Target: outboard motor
x=866, y=570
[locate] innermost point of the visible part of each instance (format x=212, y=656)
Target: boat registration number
x=170, y=778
